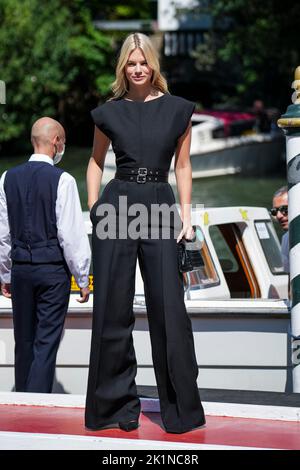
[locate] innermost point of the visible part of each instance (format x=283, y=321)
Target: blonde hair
x=137, y=40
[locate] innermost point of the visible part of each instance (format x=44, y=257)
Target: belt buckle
x=141, y=176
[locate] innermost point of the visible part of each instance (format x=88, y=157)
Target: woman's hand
x=187, y=232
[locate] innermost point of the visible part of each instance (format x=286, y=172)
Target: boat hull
x=243, y=346
x=255, y=156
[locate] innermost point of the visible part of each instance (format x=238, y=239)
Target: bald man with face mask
x=42, y=243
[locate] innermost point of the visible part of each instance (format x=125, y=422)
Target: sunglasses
x=282, y=209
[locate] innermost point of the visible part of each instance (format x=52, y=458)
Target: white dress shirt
x=71, y=232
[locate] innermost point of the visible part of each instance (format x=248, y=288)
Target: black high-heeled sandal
x=129, y=425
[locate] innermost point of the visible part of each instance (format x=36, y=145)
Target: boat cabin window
x=234, y=261
x=270, y=245
x=206, y=275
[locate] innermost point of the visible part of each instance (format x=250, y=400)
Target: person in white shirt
x=280, y=212
x=43, y=242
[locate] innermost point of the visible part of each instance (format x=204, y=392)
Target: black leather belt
x=142, y=175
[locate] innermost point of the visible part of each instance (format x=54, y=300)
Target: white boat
x=213, y=153
x=236, y=301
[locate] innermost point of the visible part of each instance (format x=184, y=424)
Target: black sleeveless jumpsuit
x=143, y=134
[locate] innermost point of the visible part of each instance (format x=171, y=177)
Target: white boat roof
x=206, y=216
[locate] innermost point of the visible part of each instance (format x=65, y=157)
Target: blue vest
x=31, y=191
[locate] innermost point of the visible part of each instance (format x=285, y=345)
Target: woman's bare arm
x=183, y=173
x=96, y=164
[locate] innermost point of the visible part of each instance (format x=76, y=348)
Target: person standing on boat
x=280, y=212
x=262, y=120
x=146, y=125
x=42, y=241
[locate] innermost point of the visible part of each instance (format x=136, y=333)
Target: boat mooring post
x=290, y=123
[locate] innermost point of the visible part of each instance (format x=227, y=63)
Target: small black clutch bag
x=189, y=256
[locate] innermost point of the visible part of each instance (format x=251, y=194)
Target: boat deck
x=248, y=397
x=42, y=421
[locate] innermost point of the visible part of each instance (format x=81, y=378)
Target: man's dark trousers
x=40, y=296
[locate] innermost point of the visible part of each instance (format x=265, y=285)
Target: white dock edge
x=232, y=410
x=34, y=441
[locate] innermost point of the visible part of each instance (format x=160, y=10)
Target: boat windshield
x=270, y=245
x=234, y=260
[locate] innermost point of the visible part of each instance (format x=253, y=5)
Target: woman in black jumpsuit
x=144, y=134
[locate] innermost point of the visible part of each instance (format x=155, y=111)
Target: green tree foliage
x=110, y=10
x=259, y=41
x=53, y=60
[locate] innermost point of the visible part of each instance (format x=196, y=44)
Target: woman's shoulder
x=180, y=104
x=104, y=104
x=181, y=100
x=183, y=113
x=103, y=109
x=183, y=106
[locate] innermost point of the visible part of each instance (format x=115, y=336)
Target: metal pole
x=290, y=123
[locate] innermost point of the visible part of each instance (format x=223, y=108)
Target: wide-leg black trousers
x=112, y=394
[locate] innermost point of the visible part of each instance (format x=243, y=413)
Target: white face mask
x=58, y=156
